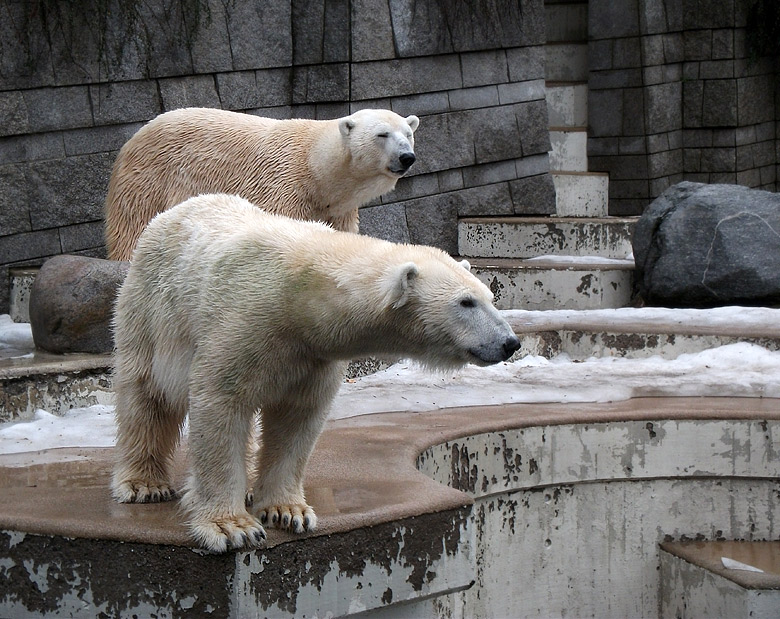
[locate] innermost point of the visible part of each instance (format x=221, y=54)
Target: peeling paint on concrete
x=589, y=514
x=364, y=569
x=54, y=576
x=57, y=393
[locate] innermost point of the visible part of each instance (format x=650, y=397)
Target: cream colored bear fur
x=227, y=310
x=306, y=169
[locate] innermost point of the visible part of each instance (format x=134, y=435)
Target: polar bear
x=227, y=310
x=307, y=169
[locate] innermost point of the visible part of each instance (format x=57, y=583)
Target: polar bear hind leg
x=143, y=417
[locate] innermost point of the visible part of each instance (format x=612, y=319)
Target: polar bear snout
x=495, y=352
x=406, y=160
x=511, y=346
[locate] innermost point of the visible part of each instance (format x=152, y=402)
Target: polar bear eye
x=468, y=302
x=383, y=135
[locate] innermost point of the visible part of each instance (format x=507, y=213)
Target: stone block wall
x=78, y=79
x=674, y=95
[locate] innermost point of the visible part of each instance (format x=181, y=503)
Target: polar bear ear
x=465, y=264
x=413, y=122
x=346, y=125
x=397, y=284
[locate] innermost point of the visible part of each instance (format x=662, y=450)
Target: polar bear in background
x=306, y=169
x=227, y=310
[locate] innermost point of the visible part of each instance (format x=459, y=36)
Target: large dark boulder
x=701, y=245
x=71, y=304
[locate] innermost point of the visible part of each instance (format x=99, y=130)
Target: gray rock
x=72, y=301
x=701, y=245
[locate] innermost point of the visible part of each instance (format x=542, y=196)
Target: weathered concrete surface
x=55, y=383
x=694, y=583
x=529, y=237
x=570, y=500
x=21, y=284
x=547, y=284
x=586, y=506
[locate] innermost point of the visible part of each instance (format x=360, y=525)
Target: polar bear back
x=305, y=169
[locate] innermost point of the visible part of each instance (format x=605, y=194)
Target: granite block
x=533, y=195
x=53, y=109
x=662, y=107
x=14, y=115
x=31, y=146
x=721, y=103
x=385, y=221
x=482, y=68
x=260, y=34
x=608, y=19
x=434, y=221
x=318, y=83
x=98, y=139
x=190, y=91
x=68, y=191
x=372, y=31
x=29, y=245
x=468, y=98
x=123, y=102
x=15, y=201
x=394, y=78
x=525, y=63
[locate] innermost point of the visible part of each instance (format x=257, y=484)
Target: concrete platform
x=695, y=584
x=486, y=511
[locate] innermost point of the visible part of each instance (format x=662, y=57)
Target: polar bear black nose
x=407, y=159
x=511, y=345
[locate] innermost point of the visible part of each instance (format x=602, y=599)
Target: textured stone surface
x=703, y=245
x=71, y=304
x=75, y=89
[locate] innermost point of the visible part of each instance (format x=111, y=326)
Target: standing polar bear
x=227, y=310
x=320, y=170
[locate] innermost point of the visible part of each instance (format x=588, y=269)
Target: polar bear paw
x=297, y=517
x=229, y=532
x=142, y=492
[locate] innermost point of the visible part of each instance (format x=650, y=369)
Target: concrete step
x=566, y=62
x=569, y=151
x=566, y=21
x=549, y=284
x=567, y=104
x=639, y=333
x=581, y=194
x=694, y=582
x=531, y=237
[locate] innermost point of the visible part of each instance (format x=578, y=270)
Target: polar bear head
x=445, y=313
x=380, y=141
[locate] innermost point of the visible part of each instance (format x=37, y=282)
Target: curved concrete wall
x=568, y=518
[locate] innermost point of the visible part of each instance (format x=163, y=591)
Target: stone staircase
x=581, y=257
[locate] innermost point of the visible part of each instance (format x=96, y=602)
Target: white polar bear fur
x=228, y=309
x=307, y=169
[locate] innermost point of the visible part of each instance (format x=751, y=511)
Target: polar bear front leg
x=214, y=498
x=290, y=431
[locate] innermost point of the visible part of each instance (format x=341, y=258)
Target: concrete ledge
x=392, y=536
x=695, y=584
x=528, y=237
